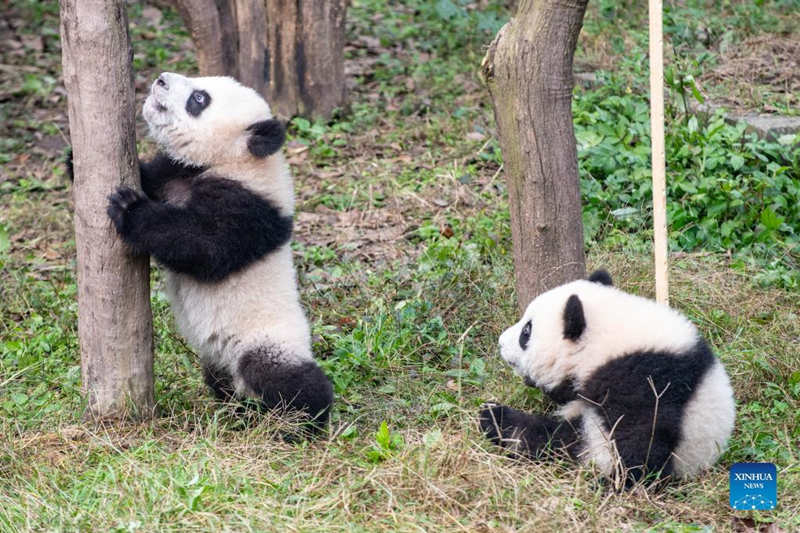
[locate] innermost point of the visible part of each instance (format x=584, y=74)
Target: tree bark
x=230, y=37
x=251, y=22
x=305, y=43
x=202, y=19
x=290, y=52
x=528, y=70
x=114, y=318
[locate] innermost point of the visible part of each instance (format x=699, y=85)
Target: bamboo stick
x=657, y=145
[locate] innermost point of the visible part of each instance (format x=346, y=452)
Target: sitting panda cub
x=640, y=390
x=216, y=213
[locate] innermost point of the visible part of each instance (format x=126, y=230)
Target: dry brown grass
x=450, y=483
x=764, y=64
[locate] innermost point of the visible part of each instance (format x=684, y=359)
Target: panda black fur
x=217, y=213
x=603, y=355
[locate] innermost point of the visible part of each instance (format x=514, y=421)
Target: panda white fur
x=217, y=214
x=603, y=355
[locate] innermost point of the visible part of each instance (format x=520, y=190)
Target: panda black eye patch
x=525, y=335
x=197, y=102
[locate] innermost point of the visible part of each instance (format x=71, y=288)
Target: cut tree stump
x=251, y=26
x=305, y=42
x=203, y=20
x=290, y=52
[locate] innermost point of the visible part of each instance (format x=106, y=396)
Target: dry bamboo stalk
x=657, y=145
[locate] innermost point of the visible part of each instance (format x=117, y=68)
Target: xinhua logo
x=754, y=486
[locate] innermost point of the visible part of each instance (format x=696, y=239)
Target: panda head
x=544, y=346
x=211, y=121
x=569, y=331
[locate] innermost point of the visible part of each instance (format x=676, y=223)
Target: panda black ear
x=602, y=277
x=574, y=321
x=266, y=137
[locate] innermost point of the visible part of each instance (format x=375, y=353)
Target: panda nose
x=161, y=82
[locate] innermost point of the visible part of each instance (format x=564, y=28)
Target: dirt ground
x=762, y=63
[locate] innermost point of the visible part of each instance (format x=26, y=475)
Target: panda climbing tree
x=216, y=212
x=115, y=324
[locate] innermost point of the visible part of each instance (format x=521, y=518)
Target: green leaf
x=19, y=398
x=736, y=161
x=382, y=436
x=695, y=91
x=726, y=230
x=388, y=388
x=442, y=408
x=193, y=497
x=350, y=432
x=770, y=219
x=301, y=123
x=5, y=242
x=624, y=212
x=32, y=85
x=478, y=367
x=716, y=208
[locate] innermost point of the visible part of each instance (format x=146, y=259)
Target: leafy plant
x=322, y=140
x=385, y=445
x=727, y=190
x=191, y=491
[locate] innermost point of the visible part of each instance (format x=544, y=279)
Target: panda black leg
x=160, y=170
x=221, y=229
x=219, y=380
x=300, y=387
x=168, y=233
x=526, y=434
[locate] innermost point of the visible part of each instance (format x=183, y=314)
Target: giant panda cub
x=640, y=391
x=216, y=213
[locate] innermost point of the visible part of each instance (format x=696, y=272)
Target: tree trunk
x=251, y=22
x=290, y=52
x=528, y=69
x=203, y=20
x=114, y=319
x=305, y=43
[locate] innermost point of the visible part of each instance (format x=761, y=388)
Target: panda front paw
x=491, y=421
x=120, y=206
x=68, y=163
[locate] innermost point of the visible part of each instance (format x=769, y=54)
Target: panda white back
x=217, y=215
x=639, y=389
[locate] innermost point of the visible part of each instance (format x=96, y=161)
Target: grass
x=403, y=251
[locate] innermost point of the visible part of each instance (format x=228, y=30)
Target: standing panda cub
x=640, y=390
x=216, y=213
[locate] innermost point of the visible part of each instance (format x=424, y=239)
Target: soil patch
x=769, y=62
